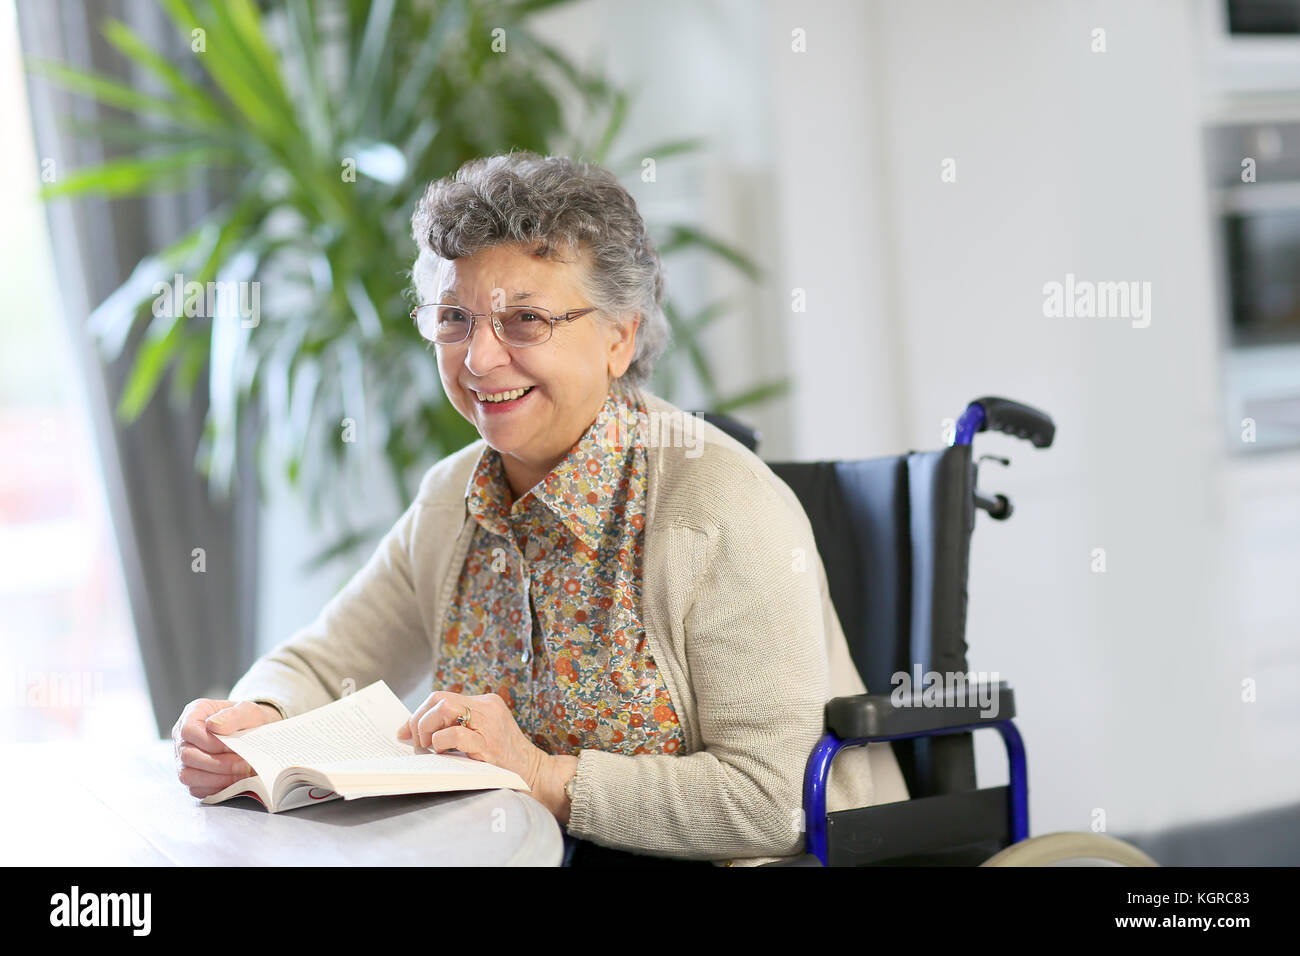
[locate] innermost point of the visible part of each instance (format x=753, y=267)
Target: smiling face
x=567, y=377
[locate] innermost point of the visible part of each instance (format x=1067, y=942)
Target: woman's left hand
x=492, y=736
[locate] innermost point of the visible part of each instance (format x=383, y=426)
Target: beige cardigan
x=737, y=615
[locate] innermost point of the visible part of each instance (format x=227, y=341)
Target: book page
x=360, y=725
x=419, y=773
x=246, y=785
x=305, y=795
x=422, y=764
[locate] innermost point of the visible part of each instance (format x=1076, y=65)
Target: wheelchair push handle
x=1004, y=415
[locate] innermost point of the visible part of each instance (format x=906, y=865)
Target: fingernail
x=242, y=769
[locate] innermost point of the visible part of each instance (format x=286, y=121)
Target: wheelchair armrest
x=878, y=716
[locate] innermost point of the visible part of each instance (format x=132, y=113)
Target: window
x=69, y=661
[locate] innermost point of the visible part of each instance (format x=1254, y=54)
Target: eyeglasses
x=520, y=326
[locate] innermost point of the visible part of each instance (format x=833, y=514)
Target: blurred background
x=862, y=208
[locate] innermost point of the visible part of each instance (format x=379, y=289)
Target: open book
x=349, y=749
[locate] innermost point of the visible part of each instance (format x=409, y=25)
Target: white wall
x=833, y=167
x=700, y=69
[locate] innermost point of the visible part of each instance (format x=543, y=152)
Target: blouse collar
x=588, y=487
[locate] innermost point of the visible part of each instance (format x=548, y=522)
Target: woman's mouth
x=502, y=401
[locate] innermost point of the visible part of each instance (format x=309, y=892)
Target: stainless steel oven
x=1255, y=179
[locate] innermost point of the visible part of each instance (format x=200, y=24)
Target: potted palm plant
x=319, y=122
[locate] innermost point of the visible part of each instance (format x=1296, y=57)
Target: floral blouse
x=547, y=611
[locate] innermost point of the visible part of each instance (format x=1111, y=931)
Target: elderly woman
x=616, y=600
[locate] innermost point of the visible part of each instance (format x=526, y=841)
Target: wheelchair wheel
x=1070, y=849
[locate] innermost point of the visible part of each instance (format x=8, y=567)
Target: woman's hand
x=204, y=763
x=492, y=735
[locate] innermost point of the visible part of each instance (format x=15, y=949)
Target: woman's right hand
x=204, y=763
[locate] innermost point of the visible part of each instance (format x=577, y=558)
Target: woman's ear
x=622, y=347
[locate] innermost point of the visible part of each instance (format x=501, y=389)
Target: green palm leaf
x=132, y=176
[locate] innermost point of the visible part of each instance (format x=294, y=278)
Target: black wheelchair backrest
x=894, y=536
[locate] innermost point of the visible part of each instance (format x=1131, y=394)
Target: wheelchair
x=894, y=537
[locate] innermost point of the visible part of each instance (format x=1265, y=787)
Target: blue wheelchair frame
x=817, y=776
x=817, y=773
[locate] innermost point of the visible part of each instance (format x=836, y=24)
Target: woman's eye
x=528, y=317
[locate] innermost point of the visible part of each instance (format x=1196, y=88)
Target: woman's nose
x=485, y=350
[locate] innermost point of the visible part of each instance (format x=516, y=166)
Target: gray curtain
x=196, y=630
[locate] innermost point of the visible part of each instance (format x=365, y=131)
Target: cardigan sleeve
x=755, y=651
x=371, y=630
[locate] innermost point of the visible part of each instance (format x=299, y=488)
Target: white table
x=74, y=804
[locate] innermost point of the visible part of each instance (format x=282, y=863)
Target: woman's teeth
x=503, y=396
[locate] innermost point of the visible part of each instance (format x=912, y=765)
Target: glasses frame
x=496, y=322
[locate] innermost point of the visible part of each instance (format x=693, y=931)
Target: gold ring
x=463, y=719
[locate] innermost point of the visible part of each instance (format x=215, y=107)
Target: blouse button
x=525, y=655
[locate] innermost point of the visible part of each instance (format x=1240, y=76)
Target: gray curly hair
x=553, y=205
